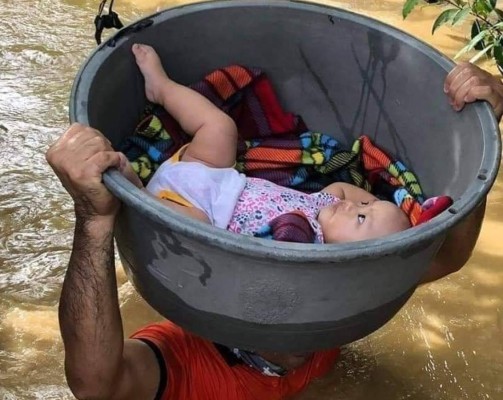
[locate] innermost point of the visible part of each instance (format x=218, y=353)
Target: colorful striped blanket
x=277, y=146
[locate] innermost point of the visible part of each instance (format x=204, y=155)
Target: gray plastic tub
x=346, y=75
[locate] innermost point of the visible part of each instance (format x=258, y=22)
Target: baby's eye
x=361, y=218
x=364, y=203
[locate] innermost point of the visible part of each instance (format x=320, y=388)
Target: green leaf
x=479, y=55
x=460, y=15
x=483, y=7
x=408, y=7
x=489, y=40
x=478, y=27
x=443, y=18
x=498, y=54
x=476, y=40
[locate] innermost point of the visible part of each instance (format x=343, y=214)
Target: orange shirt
x=197, y=371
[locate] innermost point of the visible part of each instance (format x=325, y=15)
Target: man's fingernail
x=446, y=89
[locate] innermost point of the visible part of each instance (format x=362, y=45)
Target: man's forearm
x=89, y=312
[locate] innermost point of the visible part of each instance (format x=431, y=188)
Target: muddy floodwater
x=446, y=343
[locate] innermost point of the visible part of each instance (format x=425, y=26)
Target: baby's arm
x=346, y=191
x=467, y=83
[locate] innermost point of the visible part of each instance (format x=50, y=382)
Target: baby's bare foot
x=150, y=66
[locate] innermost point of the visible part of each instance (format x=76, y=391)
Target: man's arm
x=98, y=363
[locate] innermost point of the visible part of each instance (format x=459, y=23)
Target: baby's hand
x=467, y=83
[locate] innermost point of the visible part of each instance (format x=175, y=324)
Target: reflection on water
x=445, y=344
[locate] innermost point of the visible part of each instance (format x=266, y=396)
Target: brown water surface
x=446, y=343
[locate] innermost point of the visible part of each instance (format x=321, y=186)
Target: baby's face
x=347, y=221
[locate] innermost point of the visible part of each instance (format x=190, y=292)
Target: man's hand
x=79, y=159
x=467, y=83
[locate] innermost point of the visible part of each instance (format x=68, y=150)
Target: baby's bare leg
x=215, y=134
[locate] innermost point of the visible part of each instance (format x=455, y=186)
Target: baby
x=200, y=180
